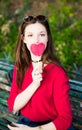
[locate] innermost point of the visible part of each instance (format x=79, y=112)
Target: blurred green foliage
x=65, y=26
x=67, y=35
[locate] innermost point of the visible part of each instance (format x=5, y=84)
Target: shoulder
x=57, y=68
x=58, y=71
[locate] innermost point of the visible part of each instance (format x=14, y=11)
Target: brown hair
x=22, y=54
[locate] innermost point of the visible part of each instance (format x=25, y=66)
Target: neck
x=35, y=59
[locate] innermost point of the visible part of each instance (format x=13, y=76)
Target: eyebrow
x=42, y=32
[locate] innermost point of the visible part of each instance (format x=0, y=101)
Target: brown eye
x=29, y=35
x=42, y=35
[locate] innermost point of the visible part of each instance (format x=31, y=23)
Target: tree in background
x=65, y=20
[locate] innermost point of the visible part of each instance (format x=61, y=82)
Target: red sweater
x=50, y=101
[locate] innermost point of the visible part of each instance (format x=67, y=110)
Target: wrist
x=36, y=83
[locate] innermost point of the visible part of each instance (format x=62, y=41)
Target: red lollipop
x=37, y=49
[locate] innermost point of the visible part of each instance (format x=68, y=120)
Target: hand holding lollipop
x=37, y=50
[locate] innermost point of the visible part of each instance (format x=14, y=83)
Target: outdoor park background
x=65, y=18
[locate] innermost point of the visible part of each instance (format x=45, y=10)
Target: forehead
x=35, y=27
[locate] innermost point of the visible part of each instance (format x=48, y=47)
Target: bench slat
x=3, y=127
x=4, y=87
x=4, y=94
x=3, y=101
x=76, y=87
x=76, y=104
x=76, y=94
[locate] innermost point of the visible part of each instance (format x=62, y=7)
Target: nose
x=37, y=39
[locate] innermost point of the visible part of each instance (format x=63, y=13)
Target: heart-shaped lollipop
x=37, y=49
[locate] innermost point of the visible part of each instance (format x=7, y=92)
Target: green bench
x=4, y=92
x=76, y=101
x=75, y=96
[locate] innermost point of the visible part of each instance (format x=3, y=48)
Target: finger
x=19, y=125
x=35, y=67
x=38, y=77
x=35, y=73
x=11, y=128
x=16, y=124
x=38, y=67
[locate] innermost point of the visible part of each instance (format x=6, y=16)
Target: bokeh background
x=65, y=19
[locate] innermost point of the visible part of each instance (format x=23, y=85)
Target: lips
x=37, y=49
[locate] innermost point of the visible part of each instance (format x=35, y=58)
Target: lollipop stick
x=38, y=64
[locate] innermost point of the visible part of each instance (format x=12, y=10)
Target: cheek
x=27, y=45
x=45, y=42
x=28, y=42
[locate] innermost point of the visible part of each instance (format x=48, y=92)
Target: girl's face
x=35, y=37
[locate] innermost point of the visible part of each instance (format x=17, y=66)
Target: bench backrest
x=5, y=84
x=76, y=101
x=5, y=68
x=75, y=93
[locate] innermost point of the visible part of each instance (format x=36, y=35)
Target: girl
x=40, y=85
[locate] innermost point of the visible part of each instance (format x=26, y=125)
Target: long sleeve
x=13, y=92
x=62, y=101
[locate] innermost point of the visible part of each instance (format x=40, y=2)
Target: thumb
x=16, y=124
